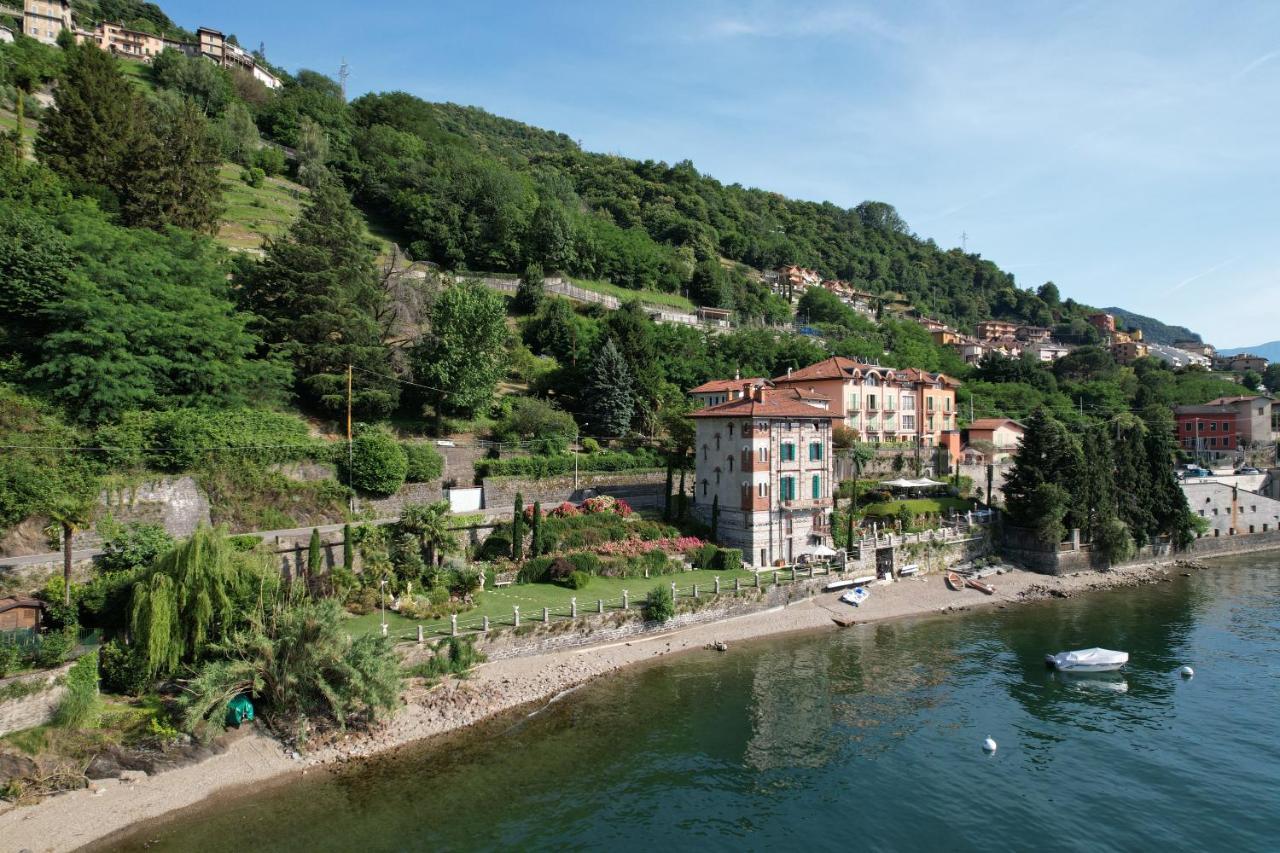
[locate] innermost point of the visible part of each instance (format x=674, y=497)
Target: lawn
x=498, y=604
x=139, y=73
x=254, y=213
x=670, y=300
x=917, y=506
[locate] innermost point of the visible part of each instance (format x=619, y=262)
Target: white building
x=764, y=465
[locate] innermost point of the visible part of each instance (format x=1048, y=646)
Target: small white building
x=6, y=35
x=764, y=465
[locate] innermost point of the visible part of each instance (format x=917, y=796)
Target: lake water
x=867, y=738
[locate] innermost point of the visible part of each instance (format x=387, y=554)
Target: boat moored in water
x=1088, y=660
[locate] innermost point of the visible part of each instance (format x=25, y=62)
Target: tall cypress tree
x=535, y=529
x=1042, y=489
x=315, y=557
x=517, y=529
x=175, y=173
x=320, y=300
x=348, y=549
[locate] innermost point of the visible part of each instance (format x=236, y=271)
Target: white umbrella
x=822, y=551
x=900, y=483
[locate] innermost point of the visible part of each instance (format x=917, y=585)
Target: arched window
x=717, y=476
x=705, y=454
x=730, y=430
x=717, y=441
x=730, y=464
x=704, y=488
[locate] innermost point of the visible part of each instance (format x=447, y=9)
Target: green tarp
x=239, y=710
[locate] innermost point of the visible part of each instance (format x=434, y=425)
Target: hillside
x=1270, y=351
x=1152, y=329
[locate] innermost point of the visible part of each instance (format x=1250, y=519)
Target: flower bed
x=634, y=547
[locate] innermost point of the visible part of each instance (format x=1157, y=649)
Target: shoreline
x=109, y=809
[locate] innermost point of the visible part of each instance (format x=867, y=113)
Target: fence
x=742, y=586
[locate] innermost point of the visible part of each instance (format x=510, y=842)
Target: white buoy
x=989, y=745
x=1186, y=672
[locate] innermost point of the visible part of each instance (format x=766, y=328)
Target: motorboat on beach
x=856, y=596
x=1087, y=660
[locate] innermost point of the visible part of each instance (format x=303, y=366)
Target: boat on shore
x=856, y=596
x=1087, y=660
x=954, y=582
x=974, y=583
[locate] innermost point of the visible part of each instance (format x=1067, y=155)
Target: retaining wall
x=643, y=487
x=37, y=708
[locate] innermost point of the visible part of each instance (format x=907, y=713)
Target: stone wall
x=410, y=493
x=35, y=709
x=176, y=503
x=643, y=487
x=30, y=576
x=1020, y=547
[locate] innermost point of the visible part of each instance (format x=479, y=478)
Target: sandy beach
x=79, y=818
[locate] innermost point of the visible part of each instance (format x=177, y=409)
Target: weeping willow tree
x=197, y=594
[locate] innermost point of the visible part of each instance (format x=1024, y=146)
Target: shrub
x=702, y=557
x=535, y=570
x=562, y=463
x=585, y=562
x=496, y=547
x=590, y=445
x=10, y=657
x=182, y=439
x=727, y=558
x=547, y=429
x=658, y=604
x=54, y=648
x=253, y=176
x=453, y=656
x=81, y=707
x=131, y=546
x=560, y=569
x=245, y=542
x=378, y=463
x=425, y=464
x=122, y=669
x=577, y=580
x=270, y=160
x=564, y=510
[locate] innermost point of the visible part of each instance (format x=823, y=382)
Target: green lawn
x=253, y=214
x=139, y=73
x=671, y=300
x=917, y=506
x=498, y=604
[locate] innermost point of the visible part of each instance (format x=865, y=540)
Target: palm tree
x=429, y=524
x=67, y=516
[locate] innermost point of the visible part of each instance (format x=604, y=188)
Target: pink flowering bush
x=634, y=547
x=601, y=503
x=564, y=510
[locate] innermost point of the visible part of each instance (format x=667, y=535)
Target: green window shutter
x=817, y=487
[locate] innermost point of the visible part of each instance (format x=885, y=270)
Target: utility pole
x=350, y=455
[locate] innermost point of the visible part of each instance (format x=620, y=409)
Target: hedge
x=426, y=465
x=182, y=439
x=557, y=464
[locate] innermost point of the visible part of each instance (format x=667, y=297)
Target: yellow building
x=43, y=20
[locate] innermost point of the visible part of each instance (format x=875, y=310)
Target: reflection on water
x=777, y=744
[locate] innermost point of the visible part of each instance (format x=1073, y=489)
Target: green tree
x=535, y=529
x=174, y=178
x=69, y=514
x=238, y=137
x=348, y=549
x=610, y=404
x=313, y=154
x=320, y=302
x=315, y=554
x=462, y=358
x=1041, y=488
x=378, y=463
x=517, y=529
x=205, y=83
x=429, y=525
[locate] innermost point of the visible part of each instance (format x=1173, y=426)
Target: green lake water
x=867, y=738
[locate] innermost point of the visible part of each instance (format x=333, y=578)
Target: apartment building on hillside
x=213, y=45
x=44, y=20
x=1227, y=424
x=881, y=403
x=764, y=468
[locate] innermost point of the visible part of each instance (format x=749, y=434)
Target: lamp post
x=382, y=585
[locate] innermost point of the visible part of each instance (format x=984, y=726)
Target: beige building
x=127, y=43
x=1129, y=351
x=213, y=45
x=43, y=20
x=764, y=465
x=997, y=439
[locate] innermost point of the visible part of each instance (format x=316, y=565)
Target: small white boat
x=856, y=596
x=1087, y=660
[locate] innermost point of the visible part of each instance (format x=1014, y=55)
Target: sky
x=1126, y=151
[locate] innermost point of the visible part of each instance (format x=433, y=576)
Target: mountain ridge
x=1153, y=330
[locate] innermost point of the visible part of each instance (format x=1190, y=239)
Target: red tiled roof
x=1223, y=401
x=994, y=423
x=776, y=403
x=836, y=367
x=717, y=385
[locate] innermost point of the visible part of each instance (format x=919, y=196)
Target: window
x=1226, y=426
x=704, y=453
x=871, y=402
x=764, y=454
x=815, y=451
x=730, y=431
x=946, y=404
x=730, y=464
x=787, y=486
x=717, y=476
x=929, y=403
x=717, y=441
x=908, y=403
x=789, y=525
x=704, y=488
x=787, y=452
x=817, y=487
x=762, y=490
x=909, y=422
x=853, y=401
x=1213, y=426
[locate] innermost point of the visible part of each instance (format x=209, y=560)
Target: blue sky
x=1127, y=151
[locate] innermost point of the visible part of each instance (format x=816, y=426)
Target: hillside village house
x=1197, y=347
x=992, y=439
x=1128, y=352
x=764, y=463
x=1240, y=363
x=881, y=403
x=43, y=20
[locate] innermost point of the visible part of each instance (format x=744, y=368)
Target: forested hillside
x=1152, y=329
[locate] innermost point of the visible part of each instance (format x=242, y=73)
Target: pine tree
x=320, y=300
x=535, y=542
x=174, y=177
x=1133, y=482
x=1041, y=491
x=97, y=126
x=610, y=402
x=517, y=529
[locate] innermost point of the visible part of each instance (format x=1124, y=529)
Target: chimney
x=747, y=393
x=737, y=374
x=759, y=393
x=788, y=371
